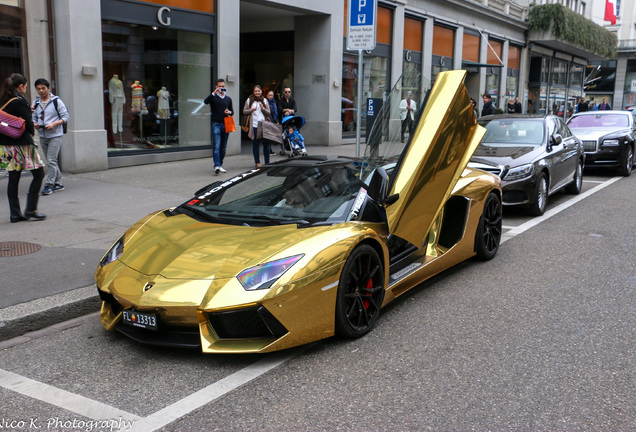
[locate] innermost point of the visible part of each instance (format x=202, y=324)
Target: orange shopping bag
x=229, y=124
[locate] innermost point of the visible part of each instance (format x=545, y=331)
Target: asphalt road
x=541, y=338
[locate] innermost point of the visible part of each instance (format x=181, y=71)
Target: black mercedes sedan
x=534, y=155
x=608, y=138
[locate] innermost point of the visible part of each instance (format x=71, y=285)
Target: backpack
x=64, y=124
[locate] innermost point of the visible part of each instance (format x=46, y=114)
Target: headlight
x=611, y=142
x=114, y=252
x=264, y=275
x=519, y=172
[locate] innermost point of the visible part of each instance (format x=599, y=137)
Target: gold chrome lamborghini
x=311, y=247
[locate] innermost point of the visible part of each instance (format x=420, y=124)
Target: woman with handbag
x=20, y=151
x=257, y=108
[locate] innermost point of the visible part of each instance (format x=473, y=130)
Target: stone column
x=78, y=46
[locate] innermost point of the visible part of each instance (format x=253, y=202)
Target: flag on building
x=610, y=11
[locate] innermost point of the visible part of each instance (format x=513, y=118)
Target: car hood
x=593, y=134
x=179, y=247
x=506, y=156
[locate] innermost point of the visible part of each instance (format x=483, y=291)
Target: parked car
x=608, y=138
x=305, y=248
x=535, y=156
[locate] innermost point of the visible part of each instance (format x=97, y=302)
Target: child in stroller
x=296, y=140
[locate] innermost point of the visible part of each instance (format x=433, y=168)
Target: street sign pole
x=359, y=114
x=361, y=31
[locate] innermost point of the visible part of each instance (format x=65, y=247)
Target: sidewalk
x=47, y=267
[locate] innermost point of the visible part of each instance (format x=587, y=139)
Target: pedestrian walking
x=407, y=115
x=50, y=117
x=604, y=106
x=518, y=107
x=489, y=107
x=582, y=106
x=257, y=108
x=220, y=107
x=20, y=152
x=511, y=106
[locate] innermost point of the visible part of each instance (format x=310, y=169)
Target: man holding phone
x=220, y=107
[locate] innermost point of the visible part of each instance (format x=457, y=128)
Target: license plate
x=140, y=319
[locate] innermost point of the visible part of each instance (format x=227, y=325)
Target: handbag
x=229, y=124
x=246, y=128
x=10, y=125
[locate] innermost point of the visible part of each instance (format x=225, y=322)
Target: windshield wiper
x=261, y=218
x=197, y=211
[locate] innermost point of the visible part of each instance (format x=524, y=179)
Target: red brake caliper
x=368, y=286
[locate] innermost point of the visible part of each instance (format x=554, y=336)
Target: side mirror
x=557, y=139
x=378, y=186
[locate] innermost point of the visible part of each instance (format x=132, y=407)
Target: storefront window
x=630, y=85
x=412, y=61
x=155, y=81
x=374, y=85
x=11, y=33
x=375, y=73
x=514, y=64
x=443, y=49
x=493, y=74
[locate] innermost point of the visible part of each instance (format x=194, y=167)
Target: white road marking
x=594, y=181
x=214, y=391
x=515, y=231
x=62, y=398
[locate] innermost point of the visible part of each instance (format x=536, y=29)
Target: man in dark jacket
x=582, y=106
x=286, y=105
x=489, y=108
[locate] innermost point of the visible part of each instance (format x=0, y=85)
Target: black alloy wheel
x=488, y=234
x=626, y=162
x=360, y=293
x=576, y=185
x=537, y=208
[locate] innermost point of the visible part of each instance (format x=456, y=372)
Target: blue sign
x=362, y=13
x=362, y=24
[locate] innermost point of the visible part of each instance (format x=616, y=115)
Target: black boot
x=31, y=208
x=16, y=213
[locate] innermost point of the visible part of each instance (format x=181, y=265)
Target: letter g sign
x=161, y=16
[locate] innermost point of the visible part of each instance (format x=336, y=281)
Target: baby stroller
x=287, y=145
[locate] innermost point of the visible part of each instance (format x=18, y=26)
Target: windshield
x=513, y=132
x=385, y=144
x=600, y=121
x=279, y=195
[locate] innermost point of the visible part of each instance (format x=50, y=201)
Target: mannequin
x=137, y=96
x=163, y=97
x=117, y=99
x=163, y=111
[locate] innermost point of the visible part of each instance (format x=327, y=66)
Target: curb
x=37, y=314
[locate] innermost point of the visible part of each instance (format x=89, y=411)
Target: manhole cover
x=14, y=248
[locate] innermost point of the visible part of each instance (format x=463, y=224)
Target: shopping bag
x=271, y=132
x=245, y=128
x=10, y=125
x=229, y=124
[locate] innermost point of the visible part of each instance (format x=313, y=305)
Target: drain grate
x=15, y=248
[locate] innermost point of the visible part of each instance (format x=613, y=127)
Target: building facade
x=134, y=73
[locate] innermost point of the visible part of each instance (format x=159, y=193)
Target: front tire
x=360, y=293
x=626, y=162
x=488, y=234
x=537, y=208
x=575, y=187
